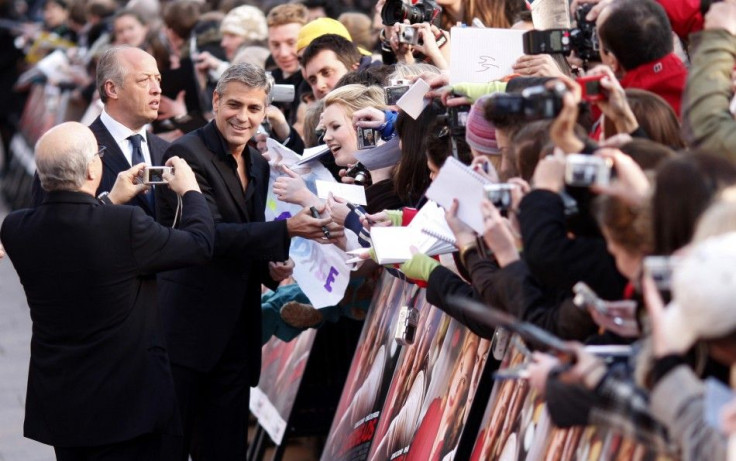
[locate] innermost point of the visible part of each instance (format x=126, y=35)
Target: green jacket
x=708, y=125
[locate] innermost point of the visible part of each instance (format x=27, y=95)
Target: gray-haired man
x=212, y=313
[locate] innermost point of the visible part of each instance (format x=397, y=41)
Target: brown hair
x=360, y=27
x=630, y=227
x=287, y=13
x=655, y=116
x=493, y=13
x=181, y=16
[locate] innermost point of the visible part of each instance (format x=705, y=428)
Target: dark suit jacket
x=201, y=305
x=113, y=163
x=99, y=372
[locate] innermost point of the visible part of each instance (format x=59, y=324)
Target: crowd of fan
x=664, y=126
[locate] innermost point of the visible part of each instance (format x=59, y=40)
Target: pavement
x=15, y=339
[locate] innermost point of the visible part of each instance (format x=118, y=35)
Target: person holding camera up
x=131, y=100
x=99, y=379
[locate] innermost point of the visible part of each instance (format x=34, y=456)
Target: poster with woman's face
x=370, y=373
x=433, y=387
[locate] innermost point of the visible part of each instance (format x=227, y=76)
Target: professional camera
x=367, y=137
x=534, y=103
x=155, y=174
x=360, y=174
x=406, y=325
x=395, y=90
x=499, y=195
x=585, y=170
x=394, y=11
x=583, y=39
x=408, y=35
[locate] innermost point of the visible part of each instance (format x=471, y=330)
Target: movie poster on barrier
x=432, y=391
x=282, y=369
x=515, y=422
x=370, y=374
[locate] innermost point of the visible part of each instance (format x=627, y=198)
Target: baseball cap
x=323, y=26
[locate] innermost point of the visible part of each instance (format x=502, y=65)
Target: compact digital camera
x=585, y=170
x=155, y=174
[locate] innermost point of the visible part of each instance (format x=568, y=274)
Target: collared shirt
x=120, y=133
x=249, y=189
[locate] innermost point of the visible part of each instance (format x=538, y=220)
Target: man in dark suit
x=99, y=381
x=212, y=313
x=129, y=85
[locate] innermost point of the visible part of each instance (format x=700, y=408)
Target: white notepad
x=458, y=181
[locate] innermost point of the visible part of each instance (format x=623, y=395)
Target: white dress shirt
x=120, y=133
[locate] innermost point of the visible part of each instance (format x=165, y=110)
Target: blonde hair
x=288, y=13
x=360, y=28
x=406, y=71
x=355, y=97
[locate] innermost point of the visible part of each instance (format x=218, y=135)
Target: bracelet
x=464, y=251
x=104, y=198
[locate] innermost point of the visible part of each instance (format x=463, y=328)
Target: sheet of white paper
x=350, y=192
x=551, y=14
x=483, y=55
x=313, y=153
x=458, y=181
x=413, y=102
x=320, y=270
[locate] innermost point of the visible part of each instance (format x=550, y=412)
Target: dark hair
x=373, y=75
x=627, y=226
x=685, y=186
x=181, y=16
x=332, y=9
x=411, y=177
x=527, y=146
x=439, y=145
x=345, y=50
x=636, y=32
x=129, y=12
x=656, y=117
x=646, y=153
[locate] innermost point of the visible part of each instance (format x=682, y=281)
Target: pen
x=315, y=214
x=360, y=213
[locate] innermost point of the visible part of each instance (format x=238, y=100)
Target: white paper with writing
x=483, y=55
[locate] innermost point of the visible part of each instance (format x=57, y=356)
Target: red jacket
x=665, y=77
x=684, y=15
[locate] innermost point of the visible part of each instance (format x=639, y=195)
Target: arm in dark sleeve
x=267, y=241
x=442, y=283
x=523, y=297
x=158, y=248
x=294, y=141
x=560, y=261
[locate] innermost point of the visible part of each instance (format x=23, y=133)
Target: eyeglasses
x=101, y=152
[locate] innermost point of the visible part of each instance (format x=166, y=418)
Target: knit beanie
x=480, y=134
x=245, y=21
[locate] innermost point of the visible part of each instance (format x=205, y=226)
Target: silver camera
x=659, y=268
x=499, y=195
x=585, y=296
x=367, y=137
x=406, y=325
x=155, y=174
x=395, y=90
x=281, y=93
x=586, y=170
x=408, y=35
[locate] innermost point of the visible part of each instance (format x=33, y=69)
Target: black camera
x=534, y=103
x=455, y=120
x=360, y=174
x=394, y=11
x=582, y=39
x=395, y=90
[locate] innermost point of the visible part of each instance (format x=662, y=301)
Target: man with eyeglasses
x=99, y=382
x=129, y=84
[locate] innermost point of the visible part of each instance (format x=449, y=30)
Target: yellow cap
x=323, y=26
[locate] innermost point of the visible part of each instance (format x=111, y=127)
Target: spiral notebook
x=430, y=219
x=458, y=181
x=397, y=244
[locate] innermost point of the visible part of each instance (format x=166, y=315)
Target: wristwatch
x=104, y=198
